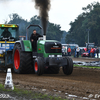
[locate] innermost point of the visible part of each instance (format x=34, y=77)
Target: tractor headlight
x=51, y=56
x=3, y=45
x=59, y=55
x=7, y=45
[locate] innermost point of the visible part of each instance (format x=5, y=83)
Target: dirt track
x=86, y=59
x=82, y=82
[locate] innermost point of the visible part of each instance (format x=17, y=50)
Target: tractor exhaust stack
x=44, y=37
x=43, y=6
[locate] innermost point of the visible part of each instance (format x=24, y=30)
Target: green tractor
x=47, y=59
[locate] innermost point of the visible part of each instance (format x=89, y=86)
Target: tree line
x=88, y=21
x=53, y=30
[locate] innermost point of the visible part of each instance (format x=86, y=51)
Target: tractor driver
x=34, y=37
x=6, y=33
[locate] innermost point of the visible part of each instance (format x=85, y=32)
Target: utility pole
x=88, y=35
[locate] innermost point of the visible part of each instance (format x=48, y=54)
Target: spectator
x=89, y=52
x=64, y=51
x=77, y=50
x=69, y=51
x=85, y=49
x=97, y=51
x=6, y=33
x=92, y=52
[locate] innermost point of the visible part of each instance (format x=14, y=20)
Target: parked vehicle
x=85, y=54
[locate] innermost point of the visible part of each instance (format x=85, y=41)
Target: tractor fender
x=25, y=45
x=21, y=43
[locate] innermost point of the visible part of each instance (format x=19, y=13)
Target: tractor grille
x=53, y=47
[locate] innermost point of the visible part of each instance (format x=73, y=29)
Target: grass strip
x=28, y=93
x=93, y=67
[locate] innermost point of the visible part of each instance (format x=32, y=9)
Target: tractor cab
x=8, y=32
x=8, y=36
x=39, y=35
x=30, y=29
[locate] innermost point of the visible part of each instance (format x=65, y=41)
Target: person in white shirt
x=77, y=50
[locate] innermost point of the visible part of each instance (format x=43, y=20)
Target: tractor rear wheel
x=22, y=61
x=68, y=69
x=52, y=70
x=39, y=66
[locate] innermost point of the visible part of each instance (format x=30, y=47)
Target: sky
x=62, y=12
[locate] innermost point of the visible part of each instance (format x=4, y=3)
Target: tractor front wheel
x=39, y=66
x=68, y=69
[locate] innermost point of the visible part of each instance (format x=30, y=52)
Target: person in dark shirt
x=75, y=52
x=34, y=37
x=6, y=33
x=97, y=51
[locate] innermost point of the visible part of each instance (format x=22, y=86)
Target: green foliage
x=53, y=30
x=88, y=20
x=64, y=37
x=93, y=67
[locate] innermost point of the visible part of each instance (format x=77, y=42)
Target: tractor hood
x=44, y=41
x=51, y=46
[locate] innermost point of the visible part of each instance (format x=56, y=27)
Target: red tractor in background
x=86, y=52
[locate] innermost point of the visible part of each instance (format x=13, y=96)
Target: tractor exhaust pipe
x=44, y=25
x=43, y=6
x=44, y=37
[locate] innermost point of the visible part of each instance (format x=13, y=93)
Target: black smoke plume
x=44, y=7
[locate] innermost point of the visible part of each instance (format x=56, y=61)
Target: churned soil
x=82, y=82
